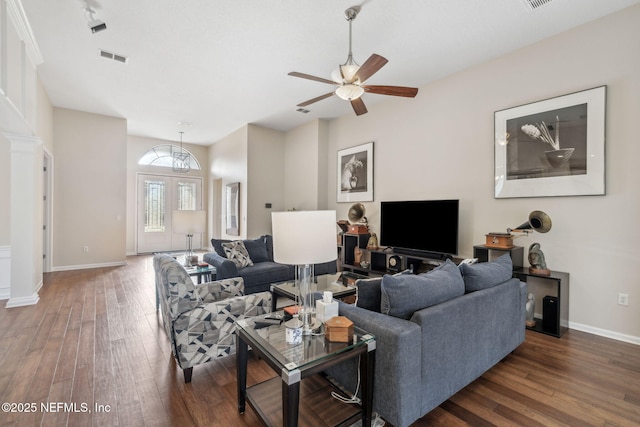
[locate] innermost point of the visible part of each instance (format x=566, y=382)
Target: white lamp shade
x=189, y=222
x=304, y=237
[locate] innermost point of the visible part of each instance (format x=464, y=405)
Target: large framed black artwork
x=355, y=174
x=554, y=147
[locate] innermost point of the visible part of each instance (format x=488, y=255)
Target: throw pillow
x=217, y=246
x=402, y=295
x=257, y=250
x=368, y=292
x=237, y=253
x=487, y=274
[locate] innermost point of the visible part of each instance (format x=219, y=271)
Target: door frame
x=47, y=211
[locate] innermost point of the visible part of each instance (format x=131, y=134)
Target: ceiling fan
x=350, y=77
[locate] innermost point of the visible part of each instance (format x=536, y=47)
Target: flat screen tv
x=429, y=226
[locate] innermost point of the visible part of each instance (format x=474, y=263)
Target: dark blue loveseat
x=264, y=271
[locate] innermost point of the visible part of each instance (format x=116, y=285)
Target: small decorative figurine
x=536, y=259
x=373, y=241
x=531, y=309
x=357, y=255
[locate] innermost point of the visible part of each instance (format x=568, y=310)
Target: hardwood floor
x=95, y=338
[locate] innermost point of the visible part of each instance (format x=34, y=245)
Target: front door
x=158, y=197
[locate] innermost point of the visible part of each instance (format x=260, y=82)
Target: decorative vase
x=353, y=181
x=530, y=311
x=557, y=158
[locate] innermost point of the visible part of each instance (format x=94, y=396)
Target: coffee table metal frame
x=271, y=351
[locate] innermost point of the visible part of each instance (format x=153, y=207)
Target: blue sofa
x=264, y=271
x=425, y=355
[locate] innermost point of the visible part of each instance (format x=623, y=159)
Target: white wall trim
x=22, y=301
x=21, y=23
x=5, y=272
x=87, y=266
x=605, y=333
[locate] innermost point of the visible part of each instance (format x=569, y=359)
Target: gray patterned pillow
x=236, y=252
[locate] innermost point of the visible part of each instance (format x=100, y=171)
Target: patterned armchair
x=200, y=319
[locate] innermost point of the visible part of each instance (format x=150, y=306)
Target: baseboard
x=22, y=301
x=88, y=266
x=605, y=333
x=5, y=272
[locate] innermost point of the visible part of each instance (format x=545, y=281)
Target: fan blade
x=358, y=106
x=370, y=67
x=310, y=77
x=409, y=92
x=316, y=99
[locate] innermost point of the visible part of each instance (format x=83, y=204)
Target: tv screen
x=420, y=225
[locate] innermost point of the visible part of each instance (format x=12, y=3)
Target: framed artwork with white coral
x=355, y=173
x=553, y=147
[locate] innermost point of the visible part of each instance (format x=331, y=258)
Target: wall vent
x=302, y=110
x=114, y=56
x=534, y=4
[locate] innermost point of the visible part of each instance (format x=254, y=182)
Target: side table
x=294, y=362
x=555, y=315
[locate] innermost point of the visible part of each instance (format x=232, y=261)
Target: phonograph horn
x=356, y=213
x=538, y=221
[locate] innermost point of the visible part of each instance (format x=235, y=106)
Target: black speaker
x=550, y=314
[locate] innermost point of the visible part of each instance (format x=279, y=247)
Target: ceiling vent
x=302, y=110
x=534, y=4
x=114, y=56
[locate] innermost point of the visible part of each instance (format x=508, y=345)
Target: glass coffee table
x=295, y=362
x=342, y=284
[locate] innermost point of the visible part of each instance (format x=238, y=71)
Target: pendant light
x=181, y=159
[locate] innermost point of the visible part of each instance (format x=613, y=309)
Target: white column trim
x=5, y=272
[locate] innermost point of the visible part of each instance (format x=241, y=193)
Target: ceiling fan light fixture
x=349, y=92
x=345, y=73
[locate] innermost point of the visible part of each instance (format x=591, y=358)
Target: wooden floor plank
x=95, y=338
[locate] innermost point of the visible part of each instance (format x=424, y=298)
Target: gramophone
x=358, y=223
x=538, y=221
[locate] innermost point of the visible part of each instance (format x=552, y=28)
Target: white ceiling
x=222, y=64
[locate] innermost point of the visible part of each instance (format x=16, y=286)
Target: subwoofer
x=550, y=313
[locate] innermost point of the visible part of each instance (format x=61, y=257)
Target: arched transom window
x=162, y=156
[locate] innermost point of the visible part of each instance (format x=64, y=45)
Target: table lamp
x=189, y=223
x=302, y=239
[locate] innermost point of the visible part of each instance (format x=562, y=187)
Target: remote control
x=261, y=323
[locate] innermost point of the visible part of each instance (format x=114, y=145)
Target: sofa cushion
x=486, y=274
x=257, y=249
x=402, y=295
x=237, y=253
x=264, y=273
x=217, y=246
x=368, y=292
x=268, y=240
